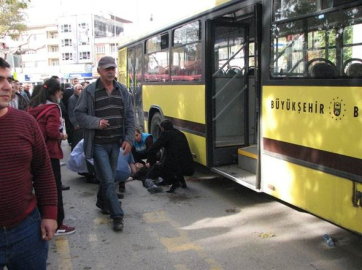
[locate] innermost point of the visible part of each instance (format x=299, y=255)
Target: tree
x=12, y=17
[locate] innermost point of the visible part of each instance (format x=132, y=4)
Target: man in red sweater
x=27, y=218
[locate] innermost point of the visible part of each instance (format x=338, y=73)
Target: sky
x=137, y=11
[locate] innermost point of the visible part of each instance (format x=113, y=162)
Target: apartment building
x=69, y=48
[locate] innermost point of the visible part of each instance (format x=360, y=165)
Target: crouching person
x=176, y=161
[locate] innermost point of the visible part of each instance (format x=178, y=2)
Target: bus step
x=247, y=158
x=240, y=176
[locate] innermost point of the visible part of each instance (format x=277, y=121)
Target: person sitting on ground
x=142, y=142
x=78, y=163
x=176, y=160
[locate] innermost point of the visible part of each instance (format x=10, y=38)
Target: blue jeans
x=122, y=176
x=22, y=247
x=105, y=163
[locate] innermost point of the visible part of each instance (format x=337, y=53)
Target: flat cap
x=106, y=62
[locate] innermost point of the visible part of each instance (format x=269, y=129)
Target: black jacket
x=177, y=156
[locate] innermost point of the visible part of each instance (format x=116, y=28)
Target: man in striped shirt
x=105, y=111
x=27, y=218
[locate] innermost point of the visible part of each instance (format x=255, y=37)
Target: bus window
x=122, y=72
x=332, y=36
x=130, y=69
x=157, y=59
x=229, y=51
x=186, y=53
x=286, y=9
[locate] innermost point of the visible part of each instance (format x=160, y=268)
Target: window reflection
x=334, y=38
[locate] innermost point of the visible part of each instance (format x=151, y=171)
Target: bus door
x=233, y=103
x=134, y=76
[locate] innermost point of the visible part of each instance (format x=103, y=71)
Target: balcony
x=52, y=41
x=53, y=55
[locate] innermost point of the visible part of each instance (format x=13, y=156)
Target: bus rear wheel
x=155, y=125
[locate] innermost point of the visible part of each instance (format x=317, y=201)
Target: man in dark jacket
x=77, y=131
x=68, y=92
x=176, y=161
x=105, y=111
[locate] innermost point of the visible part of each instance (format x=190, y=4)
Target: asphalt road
x=213, y=224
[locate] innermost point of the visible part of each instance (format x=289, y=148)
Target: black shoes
x=184, y=185
x=173, y=188
x=120, y=196
x=122, y=187
x=92, y=180
x=104, y=210
x=183, y=182
x=118, y=224
x=65, y=187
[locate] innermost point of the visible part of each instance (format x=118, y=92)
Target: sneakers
x=118, y=224
x=158, y=181
x=64, y=187
x=154, y=189
x=65, y=230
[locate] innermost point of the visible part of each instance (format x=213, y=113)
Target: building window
x=83, y=34
x=101, y=49
x=113, y=48
x=53, y=49
x=54, y=63
x=84, y=55
x=66, y=42
x=83, y=42
x=29, y=64
x=100, y=29
x=65, y=28
x=67, y=56
x=54, y=35
x=83, y=26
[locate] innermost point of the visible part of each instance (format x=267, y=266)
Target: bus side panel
x=318, y=117
x=185, y=106
x=322, y=194
x=198, y=147
x=312, y=149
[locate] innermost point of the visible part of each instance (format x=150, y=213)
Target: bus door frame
x=209, y=47
x=227, y=154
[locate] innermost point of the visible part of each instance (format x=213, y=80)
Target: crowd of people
x=97, y=121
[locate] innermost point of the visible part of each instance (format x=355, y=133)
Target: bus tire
x=155, y=125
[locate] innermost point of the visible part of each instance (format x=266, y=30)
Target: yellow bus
x=268, y=93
